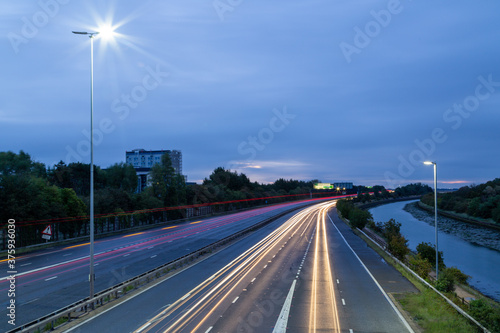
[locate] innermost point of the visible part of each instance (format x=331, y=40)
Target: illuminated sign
x=323, y=186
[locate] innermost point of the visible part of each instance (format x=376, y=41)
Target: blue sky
x=332, y=90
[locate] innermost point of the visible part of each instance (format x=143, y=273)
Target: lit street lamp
x=91, y=274
x=435, y=212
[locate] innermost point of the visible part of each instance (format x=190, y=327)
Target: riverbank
x=427, y=311
x=375, y=203
x=462, y=217
x=472, y=249
x=474, y=233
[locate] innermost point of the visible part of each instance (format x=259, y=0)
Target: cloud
x=352, y=121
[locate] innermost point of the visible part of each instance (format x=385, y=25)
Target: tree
x=412, y=189
x=228, y=179
x=391, y=229
x=476, y=200
x=495, y=214
x=60, y=175
x=473, y=208
x=15, y=164
x=420, y=266
x=380, y=191
x=457, y=275
x=398, y=246
x=167, y=185
x=76, y=176
x=486, y=314
x=344, y=207
x=121, y=176
x=428, y=252
x=73, y=207
x=449, y=277
x=359, y=218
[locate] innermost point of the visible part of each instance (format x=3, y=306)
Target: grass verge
x=427, y=309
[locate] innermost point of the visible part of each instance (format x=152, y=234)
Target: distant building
x=143, y=160
x=342, y=186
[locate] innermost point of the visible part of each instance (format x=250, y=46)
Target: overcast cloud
x=332, y=90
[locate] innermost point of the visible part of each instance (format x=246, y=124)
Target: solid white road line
x=376, y=282
x=143, y=327
x=280, y=326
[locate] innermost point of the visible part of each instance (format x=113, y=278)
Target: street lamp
x=91, y=273
x=435, y=212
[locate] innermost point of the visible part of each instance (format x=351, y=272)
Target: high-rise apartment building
x=143, y=160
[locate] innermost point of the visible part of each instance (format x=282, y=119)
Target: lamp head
x=106, y=32
x=429, y=163
x=90, y=34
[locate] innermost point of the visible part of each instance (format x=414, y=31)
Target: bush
x=448, y=277
x=460, y=206
x=486, y=314
x=398, y=246
x=456, y=275
x=495, y=214
x=376, y=227
x=473, y=207
x=428, y=252
x=428, y=199
x=391, y=228
x=359, y=218
x=344, y=207
x=444, y=283
x=420, y=266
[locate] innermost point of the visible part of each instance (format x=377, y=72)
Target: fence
x=29, y=233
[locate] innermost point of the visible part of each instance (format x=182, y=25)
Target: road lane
x=138, y=312
x=50, y=279
x=245, y=287
x=361, y=305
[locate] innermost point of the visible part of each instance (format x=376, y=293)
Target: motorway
x=305, y=272
x=50, y=279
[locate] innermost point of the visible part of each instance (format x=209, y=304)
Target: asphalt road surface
x=302, y=273
x=50, y=279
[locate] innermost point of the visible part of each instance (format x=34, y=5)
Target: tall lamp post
x=435, y=212
x=91, y=273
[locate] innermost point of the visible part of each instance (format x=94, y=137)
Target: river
x=458, y=241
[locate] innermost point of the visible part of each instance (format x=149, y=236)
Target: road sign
x=47, y=233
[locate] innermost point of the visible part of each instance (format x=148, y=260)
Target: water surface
x=474, y=250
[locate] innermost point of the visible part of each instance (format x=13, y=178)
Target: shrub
x=398, y=246
x=344, y=207
x=420, y=266
x=486, y=314
x=428, y=252
x=456, y=275
x=391, y=228
x=495, y=214
x=460, y=206
x=444, y=283
x=428, y=199
x=448, y=277
x=473, y=207
x=359, y=218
